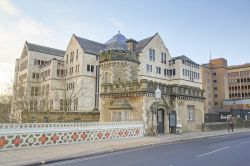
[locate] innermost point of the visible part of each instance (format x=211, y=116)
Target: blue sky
x=190, y=27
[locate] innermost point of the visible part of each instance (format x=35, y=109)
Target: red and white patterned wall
x=51, y=136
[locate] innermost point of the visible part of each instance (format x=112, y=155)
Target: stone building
x=32, y=79
x=52, y=85
x=226, y=87
x=116, y=79
x=130, y=73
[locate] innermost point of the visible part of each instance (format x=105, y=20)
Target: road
x=230, y=150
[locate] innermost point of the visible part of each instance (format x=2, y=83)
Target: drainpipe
x=97, y=89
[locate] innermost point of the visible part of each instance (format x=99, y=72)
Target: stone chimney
x=131, y=44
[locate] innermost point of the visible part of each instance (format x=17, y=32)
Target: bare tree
x=12, y=102
x=7, y=115
x=71, y=94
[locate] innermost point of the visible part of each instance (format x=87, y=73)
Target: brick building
x=226, y=87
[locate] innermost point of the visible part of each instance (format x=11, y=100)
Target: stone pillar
x=154, y=123
x=109, y=88
x=144, y=84
x=178, y=120
x=127, y=85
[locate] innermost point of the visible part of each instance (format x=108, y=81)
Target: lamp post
x=158, y=93
x=154, y=118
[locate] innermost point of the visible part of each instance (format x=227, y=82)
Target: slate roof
x=116, y=42
x=43, y=49
x=142, y=43
x=183, y=57
x=90, y=46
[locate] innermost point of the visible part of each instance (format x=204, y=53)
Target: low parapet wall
x=59, y=117
x=26, y=135
x=212, y=126
x=239, y=123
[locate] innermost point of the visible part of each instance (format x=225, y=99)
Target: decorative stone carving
x=146, y=87
x=120, y=104
x=159, y=105
x=114, y=55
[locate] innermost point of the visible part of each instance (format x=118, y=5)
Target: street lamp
x=157, y=97
x=158, y=93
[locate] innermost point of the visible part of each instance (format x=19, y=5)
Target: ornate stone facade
x=128, y=94
x=117, y=78
x=140, y=96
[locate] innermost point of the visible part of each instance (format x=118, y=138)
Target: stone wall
x=108, y=106
x=239, y=123
x=52, y=117
x=196, y=123
x=141, y=110
x=214, y=126
x=140, y=96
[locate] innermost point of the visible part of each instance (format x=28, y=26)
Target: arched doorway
x=160, y=118
x=160, y=121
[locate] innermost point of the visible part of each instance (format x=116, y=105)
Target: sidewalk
x=63, y=152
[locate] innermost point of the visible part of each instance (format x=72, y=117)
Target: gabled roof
x=183, y=57
x=142, y=43
x=90, y=46
x=116, y=42
x=43, y=49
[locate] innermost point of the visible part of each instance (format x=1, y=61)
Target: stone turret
x=117, y=63
x=118, y=66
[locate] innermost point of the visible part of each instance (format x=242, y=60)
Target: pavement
x=229, y=150
x=50, y=154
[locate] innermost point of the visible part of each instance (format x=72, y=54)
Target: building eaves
x=183, y=57
x=238, y=66
x=44, y=49
x=142, y=43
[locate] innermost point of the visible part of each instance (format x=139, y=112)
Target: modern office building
x=226, y=87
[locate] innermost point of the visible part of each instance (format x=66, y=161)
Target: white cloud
x=15, y=28
x=7, y=7
x=32, y=27
x=118, y=24
x=6, y=76
x=15, y=32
